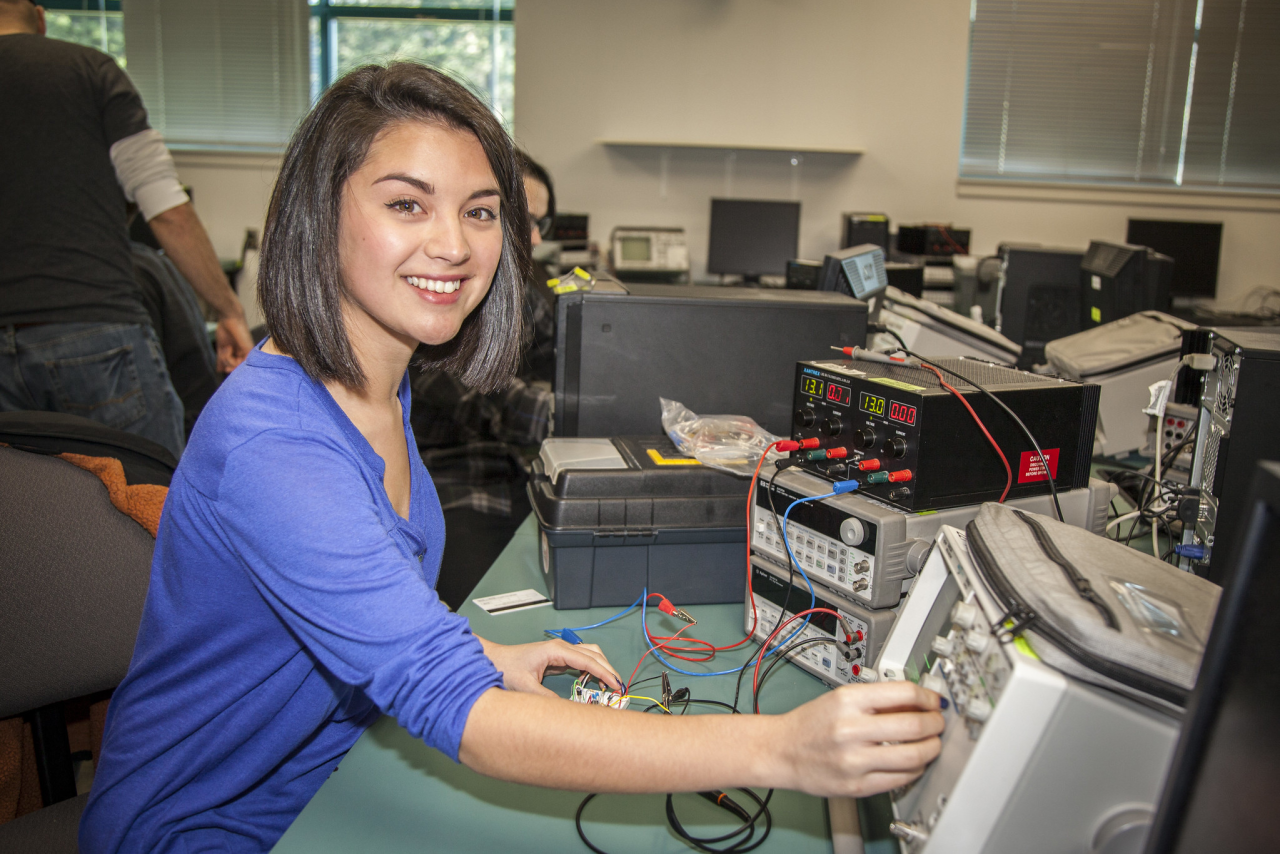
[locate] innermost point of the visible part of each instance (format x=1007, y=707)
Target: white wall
x=887, y=77
x=230, y=192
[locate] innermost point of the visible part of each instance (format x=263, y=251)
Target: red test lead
x=792, y=445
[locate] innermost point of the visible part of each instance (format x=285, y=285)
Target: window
x=94, y=23
x=472, y=40
x=236, y=74
x=229, y=74
x=1147, y=93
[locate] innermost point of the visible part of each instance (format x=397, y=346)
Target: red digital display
x=839, y=394
x=902, y=412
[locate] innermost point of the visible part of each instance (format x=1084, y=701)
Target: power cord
x=1053, y=489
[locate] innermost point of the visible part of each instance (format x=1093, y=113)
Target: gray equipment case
x=616, y=516
x=1094, y=609
x=1124, y=358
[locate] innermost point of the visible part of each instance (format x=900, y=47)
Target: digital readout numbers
x=874, y=405
x=869, y=403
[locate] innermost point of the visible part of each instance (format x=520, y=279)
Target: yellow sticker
x=565, y=289
x=671, y=461
x=1095, y=314
x=896, y=384
x=1025, y=648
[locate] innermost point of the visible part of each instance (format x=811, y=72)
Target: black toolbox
x=616, y=516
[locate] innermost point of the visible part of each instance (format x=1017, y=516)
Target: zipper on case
x=1124, y=675
x=1077, y=579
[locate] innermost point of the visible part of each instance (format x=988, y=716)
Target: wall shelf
x=725, y=146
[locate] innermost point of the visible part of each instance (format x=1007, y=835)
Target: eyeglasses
x=543, y=225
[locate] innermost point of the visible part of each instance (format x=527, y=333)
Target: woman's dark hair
x=536, y=171
x=299, y=281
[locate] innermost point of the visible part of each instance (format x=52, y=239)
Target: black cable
x=791, y=567
x=577, y=822
x=737, y=691
x=646, y=679
x=749, y=827
x=882, y=328
x=1053, y=489
x=1127, y=473
x=780, y=656
x=685, y=703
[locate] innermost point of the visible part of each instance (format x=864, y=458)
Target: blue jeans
x=113, y=373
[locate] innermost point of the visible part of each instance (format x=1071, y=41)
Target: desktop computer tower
x=719, y=351
x=1239, y=402
x=1038, y=297
x=859, y=228
x=1118, y=279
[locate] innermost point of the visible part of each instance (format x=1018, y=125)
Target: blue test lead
x=573, y=638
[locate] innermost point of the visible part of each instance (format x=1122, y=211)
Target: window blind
x=1177, y=93
x=230, y=74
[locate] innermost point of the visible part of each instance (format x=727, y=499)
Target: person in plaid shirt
x=475, y=445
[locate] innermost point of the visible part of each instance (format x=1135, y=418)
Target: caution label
x=1030, y=469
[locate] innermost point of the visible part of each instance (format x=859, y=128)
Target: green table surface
x=392, y=793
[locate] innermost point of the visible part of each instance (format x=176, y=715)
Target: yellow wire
x=650, y=699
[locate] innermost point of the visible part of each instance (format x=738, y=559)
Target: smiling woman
x=422, y=211
x=406, y=112
x=292, y=597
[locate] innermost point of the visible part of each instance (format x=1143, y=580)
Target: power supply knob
x=831, y=426
x=977, y=640
x=805, y=417
x=933, y=682
x=895, y=447
x=852, y=532
x=942, y=646
x=978, y=710
x=964, y=615
x=866, y=437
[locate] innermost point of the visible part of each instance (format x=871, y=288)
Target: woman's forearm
x=853, y=741
x=551, y=742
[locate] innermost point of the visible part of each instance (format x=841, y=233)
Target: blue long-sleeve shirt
x=289, y=604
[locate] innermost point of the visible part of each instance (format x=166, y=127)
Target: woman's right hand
x=861, y=739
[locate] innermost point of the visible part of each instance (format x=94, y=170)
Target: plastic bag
x=731, y=443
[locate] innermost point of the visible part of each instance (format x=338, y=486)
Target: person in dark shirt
x=76, y=147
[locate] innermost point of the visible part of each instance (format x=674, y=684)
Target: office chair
x=74, y=575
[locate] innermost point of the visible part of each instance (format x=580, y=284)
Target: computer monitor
x=859, y=228
x=752, y=238
x=858, y=271
x=1221, y=791
x=1195, y=248
x=1119, y=279
x=1038, y=296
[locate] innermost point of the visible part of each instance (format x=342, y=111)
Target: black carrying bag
x=53, y=433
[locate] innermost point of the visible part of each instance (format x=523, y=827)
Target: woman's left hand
x=523, y=666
